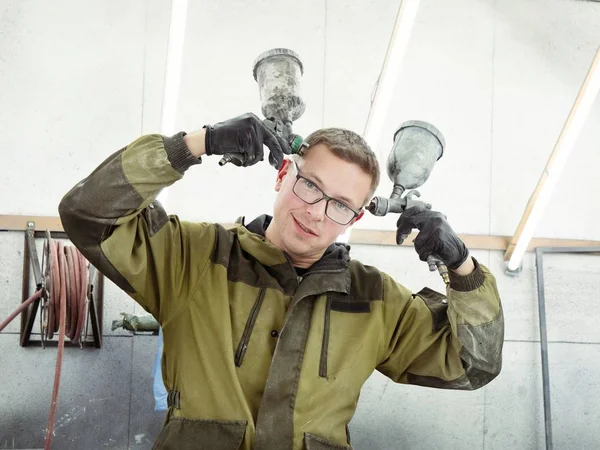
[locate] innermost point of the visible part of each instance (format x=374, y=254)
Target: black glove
x=242, y=139
x=436, y=237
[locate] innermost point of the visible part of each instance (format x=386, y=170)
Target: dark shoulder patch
x=243, y=267
x=366, y=285
x=367, y=282
x=222, y=247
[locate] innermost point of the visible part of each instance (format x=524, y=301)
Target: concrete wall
x=79, y=80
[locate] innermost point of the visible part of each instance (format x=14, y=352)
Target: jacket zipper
x=243, y=345
x=325, y=344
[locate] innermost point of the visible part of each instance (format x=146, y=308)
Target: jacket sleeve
x=113, y=218
x=448, y=342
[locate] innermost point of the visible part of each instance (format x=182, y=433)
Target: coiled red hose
x=67, y=309
x=69, y=274
x=66, y=287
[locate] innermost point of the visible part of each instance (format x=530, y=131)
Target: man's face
x=304, y=230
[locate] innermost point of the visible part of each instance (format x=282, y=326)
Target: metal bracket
x=539, y=262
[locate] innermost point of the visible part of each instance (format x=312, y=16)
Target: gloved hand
x=436, y=237
x=242, y=139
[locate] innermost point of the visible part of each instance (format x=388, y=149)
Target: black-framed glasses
x=335, y=209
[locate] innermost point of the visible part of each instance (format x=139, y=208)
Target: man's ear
x=281, y=173
x=360, y=214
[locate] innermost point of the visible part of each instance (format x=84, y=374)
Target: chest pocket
x=257, y=316
x=345, y=335
x=248, y=328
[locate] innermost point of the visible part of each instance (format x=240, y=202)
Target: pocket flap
x=313, y=442
x=438, y=306
x=187, y=434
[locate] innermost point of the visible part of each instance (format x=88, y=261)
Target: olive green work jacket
x=256, y=357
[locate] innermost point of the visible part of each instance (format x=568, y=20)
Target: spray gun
x=278, y=73
x=417, y=146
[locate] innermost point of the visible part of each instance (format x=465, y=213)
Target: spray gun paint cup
x=278, y=73
x=417, y=147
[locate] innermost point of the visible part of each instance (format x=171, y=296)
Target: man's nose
x=317, y=210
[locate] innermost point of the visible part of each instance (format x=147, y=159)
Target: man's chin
x=298, y=248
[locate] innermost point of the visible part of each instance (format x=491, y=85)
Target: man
x=270, y=329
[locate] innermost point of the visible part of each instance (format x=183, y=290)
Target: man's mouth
x=306, y=229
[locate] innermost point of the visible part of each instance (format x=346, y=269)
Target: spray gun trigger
x=411, y=201
x=284, y=130
x=274, y=125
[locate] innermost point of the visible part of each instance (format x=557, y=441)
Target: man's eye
x=340, y=206
x=310, y=185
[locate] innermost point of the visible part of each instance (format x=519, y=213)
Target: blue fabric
x=160, y=392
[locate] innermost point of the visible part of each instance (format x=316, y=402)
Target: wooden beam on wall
x=19, y=223
x=357, y=236
x=472, y=241
x=42, y=223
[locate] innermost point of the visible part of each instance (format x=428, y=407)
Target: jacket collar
x=331, y=274
x=335, y=258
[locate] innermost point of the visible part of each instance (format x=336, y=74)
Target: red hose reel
x=66, y=299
